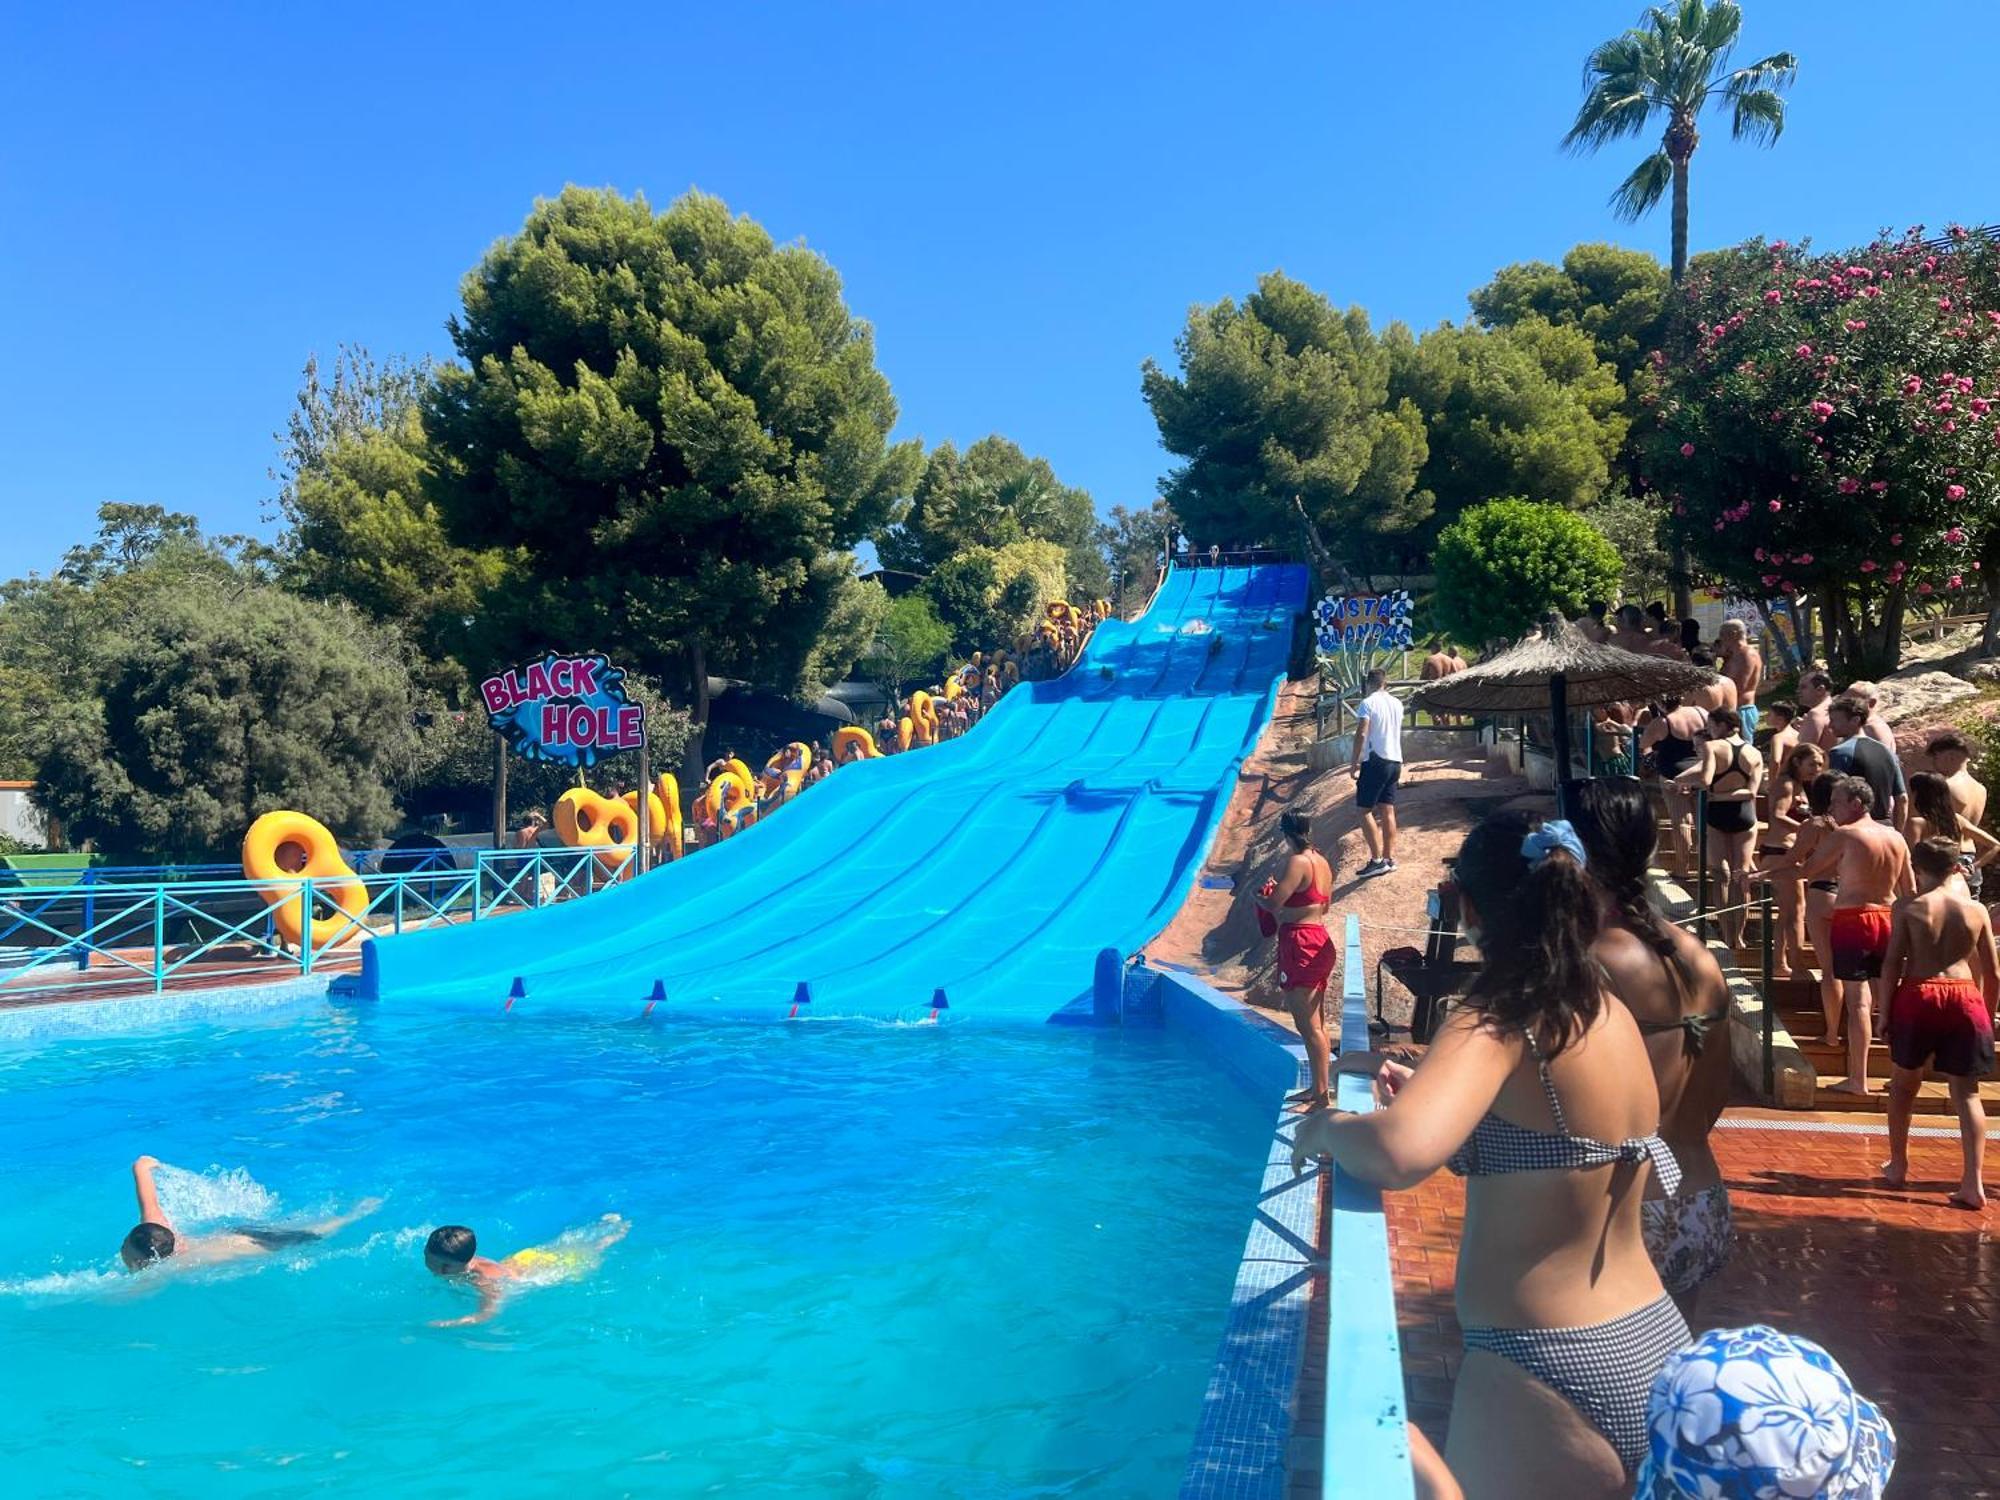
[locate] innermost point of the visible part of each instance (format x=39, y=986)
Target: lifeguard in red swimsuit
x=1294, y=904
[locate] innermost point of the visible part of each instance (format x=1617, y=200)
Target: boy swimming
x=453, y=1250
x=154, y=1238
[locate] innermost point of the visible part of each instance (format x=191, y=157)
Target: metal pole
x=1701, y=862
x=499, y=791
x=159, y=938
x=306, y=926
x=643, y=835
x=1559, y=735
x=1770, y=1001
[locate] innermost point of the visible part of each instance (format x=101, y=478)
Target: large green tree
x=221, y=700
x=1135, y=540
x=910, y=643
x=989, y=496
x=1502, y=566
x=1523, y=410
x=681, y=427
x=1616, y=296
x=1825, y=427
x=991, y=596
x=354, y=470
x=1283, y=402
x=1668, y=69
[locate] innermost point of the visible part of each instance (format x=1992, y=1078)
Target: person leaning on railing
x=1537, y=1089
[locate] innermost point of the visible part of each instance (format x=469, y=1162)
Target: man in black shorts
x=1377, y=765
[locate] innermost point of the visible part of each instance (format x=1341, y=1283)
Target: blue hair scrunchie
x=1555, y=834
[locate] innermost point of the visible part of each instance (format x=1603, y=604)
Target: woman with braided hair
x=1674, y=989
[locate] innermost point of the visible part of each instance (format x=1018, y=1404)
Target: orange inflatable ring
x=851, y=742
x=309, y=851
x=904, y=730
x=586, y=820
x=729, y=793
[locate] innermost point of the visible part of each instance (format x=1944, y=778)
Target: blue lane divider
x=1367, y=1441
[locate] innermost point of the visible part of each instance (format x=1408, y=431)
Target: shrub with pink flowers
x=1825, y=428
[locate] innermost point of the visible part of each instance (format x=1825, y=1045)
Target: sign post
x=499, y=791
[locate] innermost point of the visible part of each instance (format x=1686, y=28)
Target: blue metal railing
x=96, y=934
x=1367, y=1447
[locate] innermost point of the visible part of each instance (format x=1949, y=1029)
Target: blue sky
x=1024, y=200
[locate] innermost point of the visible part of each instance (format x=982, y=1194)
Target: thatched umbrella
x=1558, y=670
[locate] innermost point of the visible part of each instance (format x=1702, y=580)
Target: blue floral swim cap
x=1752, y=1412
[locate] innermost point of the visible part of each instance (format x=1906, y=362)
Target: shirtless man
x=1876, y=727
x=1628, y=630
x=1439, y=663
x=1784, y=733
x=1815, y=698
x=1872, y=865
x=1721, y=693
x=154, y=1238
x=1951, y=757
x=1944, y=973
x=1590, y=624
x=1743, y=665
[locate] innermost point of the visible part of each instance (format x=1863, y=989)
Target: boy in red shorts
x=1871, y=865
x=1944, y=974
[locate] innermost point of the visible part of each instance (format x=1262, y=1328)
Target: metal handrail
x=498, y=881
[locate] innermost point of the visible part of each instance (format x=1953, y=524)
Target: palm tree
x=1672, y=64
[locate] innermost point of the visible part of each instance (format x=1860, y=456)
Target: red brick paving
x=1903, y=1291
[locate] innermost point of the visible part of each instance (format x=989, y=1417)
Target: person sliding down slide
x=154, y=1238
x=453, y=1251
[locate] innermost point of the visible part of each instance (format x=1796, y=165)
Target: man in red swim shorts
x=1946, y=972
x=1871, y=863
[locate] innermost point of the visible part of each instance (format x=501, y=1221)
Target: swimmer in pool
x=454, y=1251
x=154, y=1238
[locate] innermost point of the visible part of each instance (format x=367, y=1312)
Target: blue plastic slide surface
x=995, y=866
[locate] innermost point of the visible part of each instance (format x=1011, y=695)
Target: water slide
x=996, y=866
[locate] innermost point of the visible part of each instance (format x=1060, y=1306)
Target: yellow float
x=587, y=820
x=289, y=846
x=777, y=774
x=729, y=797
x=663, y=814
x=905, y=730
x=923, y=718
x=851, y=742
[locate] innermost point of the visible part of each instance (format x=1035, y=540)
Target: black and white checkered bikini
x=1604, y=1370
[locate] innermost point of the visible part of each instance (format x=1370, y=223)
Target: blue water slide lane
x=996, y=865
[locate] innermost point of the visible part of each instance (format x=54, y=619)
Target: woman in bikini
x=1731, y=772
x=1675, y=991
x=1538, y=1090
x=1292, y=905
x=1803, y=765
x=1933, y=815
x=1671, y=739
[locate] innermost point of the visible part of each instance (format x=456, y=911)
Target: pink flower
x=1871, y=291
x=1911, y=385
x=1804, y=559
x=1804, y=351
x=1758, y=554
x=1980, y=406
x=1769, y=580
x=1774, y=295
x=1821, y=409
x=1687, y=450
x=1879, y=486
x=1944, y=304
x=1965, y=382
x=1849, y=486
x=1954, y=492
x=1855, y=325
x=1774, y=506
x=1924, y=588
x=1944, y=406
x=1869, y=565
x=1718, y=525
x=1955, y=535
x=1956, y=581
x=1896, y=540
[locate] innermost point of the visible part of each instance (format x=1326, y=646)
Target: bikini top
x=1694, y=1029
x=1310, y=895
x=1497, y=1146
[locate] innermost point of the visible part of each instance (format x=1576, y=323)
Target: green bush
x=1503, y=565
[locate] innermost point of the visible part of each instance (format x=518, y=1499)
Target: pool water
x=866, y=1259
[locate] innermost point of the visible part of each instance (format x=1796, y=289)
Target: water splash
x=63, y=1284
x=195, y=1199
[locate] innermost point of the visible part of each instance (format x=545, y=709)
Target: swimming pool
x=867, y=1259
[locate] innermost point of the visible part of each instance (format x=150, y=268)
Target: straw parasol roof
x=1518, y=680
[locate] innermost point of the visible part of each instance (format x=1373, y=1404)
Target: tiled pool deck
x=1903, y=1291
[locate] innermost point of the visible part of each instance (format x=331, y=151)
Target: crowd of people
x=1575, y=1088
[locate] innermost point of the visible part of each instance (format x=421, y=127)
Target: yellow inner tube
x=289, y=846
x=587, y=820
x=851, y=742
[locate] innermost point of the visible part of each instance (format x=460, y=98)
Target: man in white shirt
x=1378, y=766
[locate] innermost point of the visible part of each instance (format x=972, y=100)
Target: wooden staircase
x=1797, y=1007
